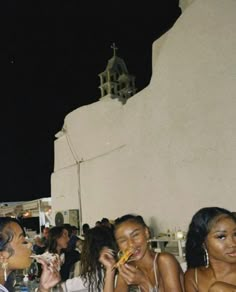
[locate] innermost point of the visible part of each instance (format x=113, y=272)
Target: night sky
x=51, y=54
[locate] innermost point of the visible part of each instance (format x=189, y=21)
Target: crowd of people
x=210, y=256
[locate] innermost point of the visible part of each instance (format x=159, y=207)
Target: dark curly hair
x=6, y=234
x=91, y=269
x=199, y=228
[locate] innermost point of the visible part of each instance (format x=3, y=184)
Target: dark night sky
x=51, y=54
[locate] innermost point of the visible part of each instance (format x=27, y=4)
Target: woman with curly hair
x=211, y=251
x=91, y=278
x=15, y=252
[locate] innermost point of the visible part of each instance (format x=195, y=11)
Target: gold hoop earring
x=4, y=267
x=206, y=258
x=120, y=254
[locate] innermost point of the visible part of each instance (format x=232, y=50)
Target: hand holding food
x=124, y=258
x=48, y=258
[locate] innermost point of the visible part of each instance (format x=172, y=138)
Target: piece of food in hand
x=49, y=258
x=124, y=258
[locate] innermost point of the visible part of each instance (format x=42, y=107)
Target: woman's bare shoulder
x=168, y=262
x=166, y=258
x=170, y=272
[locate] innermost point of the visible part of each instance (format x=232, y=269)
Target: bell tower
x=116, y=80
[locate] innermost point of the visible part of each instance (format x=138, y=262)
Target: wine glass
x=33, y=270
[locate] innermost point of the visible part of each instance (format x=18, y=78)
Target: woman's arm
x=222, y=287
x=171, y=273
x=107, y=260
x=109, y=281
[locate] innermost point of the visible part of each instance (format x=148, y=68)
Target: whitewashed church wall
x=63, y=155
x=170, y=149
x=65, y=189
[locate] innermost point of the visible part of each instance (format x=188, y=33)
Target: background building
x=171, y=148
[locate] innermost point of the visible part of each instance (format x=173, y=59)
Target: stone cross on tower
x=113, y=46
x=115, y=81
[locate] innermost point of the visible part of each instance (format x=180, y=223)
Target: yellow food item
x=127, y=254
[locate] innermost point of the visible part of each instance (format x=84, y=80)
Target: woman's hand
x=107, y=258
x=108, y=261
x=50, y=275
x=133, y=276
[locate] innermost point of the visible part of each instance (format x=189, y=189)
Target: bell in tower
x=115, y=81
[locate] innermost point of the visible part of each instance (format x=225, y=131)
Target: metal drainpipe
x=78, y=175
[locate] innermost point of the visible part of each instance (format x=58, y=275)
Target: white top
x=74, y=285
x=3, y=289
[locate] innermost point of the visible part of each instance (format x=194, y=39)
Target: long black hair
x=199, y=228
x=54, y=233
x=91, y=271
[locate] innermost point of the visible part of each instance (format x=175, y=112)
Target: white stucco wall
x=170, y=149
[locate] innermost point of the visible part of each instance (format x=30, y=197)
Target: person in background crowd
x=72, y=255
x=73, y=238
x=57, y=243
x=45, y=232
x=145, y=269
x=15, y=252
x=85, y=229
x=211, y=251
x=91, y=278
x=80, y=243
x=40, y=244
x=98, y=223
x=105, y=222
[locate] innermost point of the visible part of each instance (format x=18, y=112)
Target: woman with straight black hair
x=58, y=241
x=211, y=251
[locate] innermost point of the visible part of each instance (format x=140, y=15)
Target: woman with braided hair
x=15, y=252
x=141, y=269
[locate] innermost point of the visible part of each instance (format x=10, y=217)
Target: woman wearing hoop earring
x=15, y=252
x=143, y=270
x=211, y=251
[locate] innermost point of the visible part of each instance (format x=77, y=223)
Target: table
x=165, y=239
